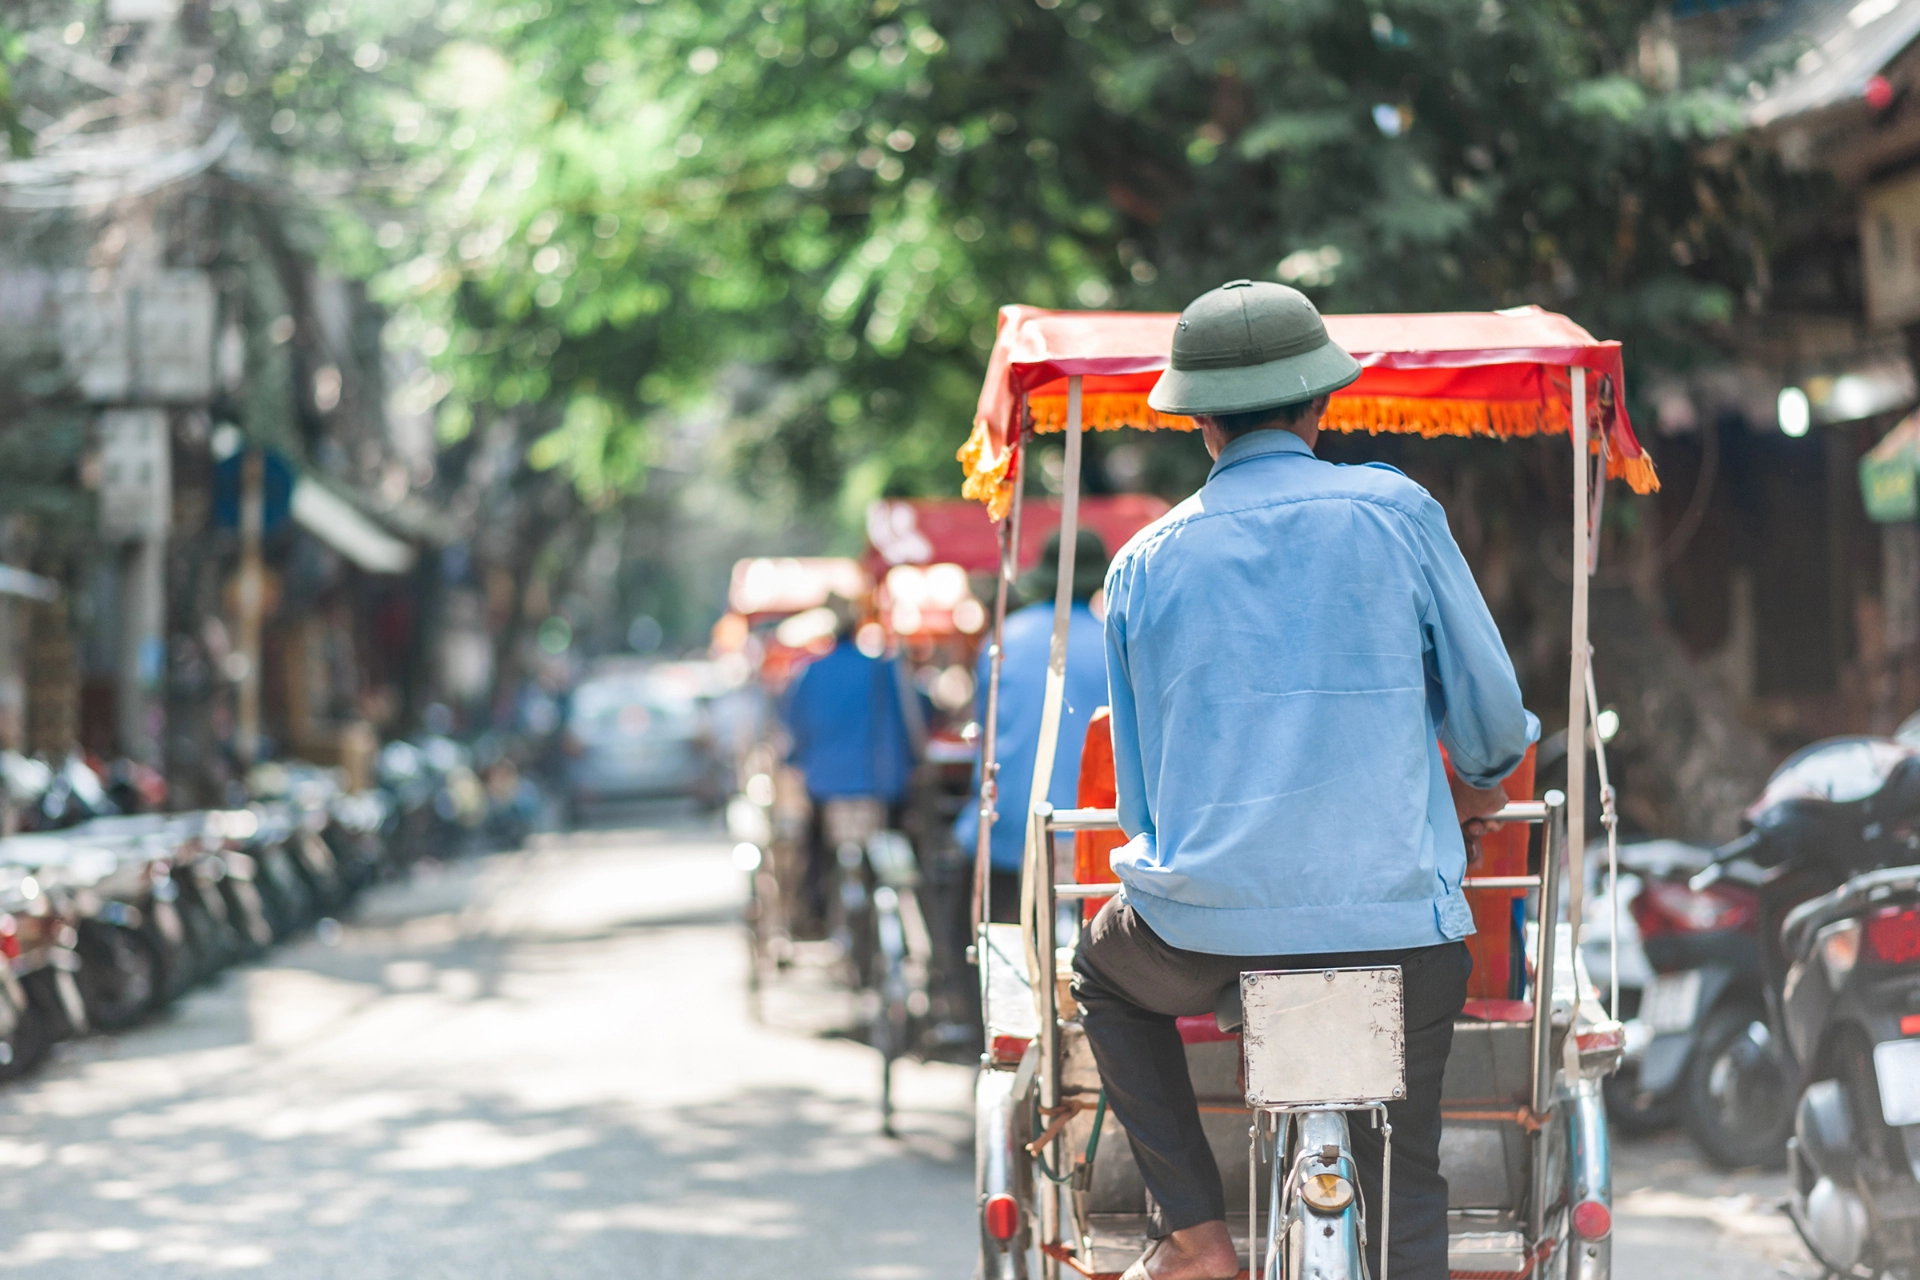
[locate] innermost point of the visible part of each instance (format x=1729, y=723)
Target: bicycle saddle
x=1227, y=1013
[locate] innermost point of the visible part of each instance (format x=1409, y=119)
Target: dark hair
x=1285, y=415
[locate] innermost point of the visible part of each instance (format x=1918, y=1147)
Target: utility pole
x=136, y=508
x=252, y=600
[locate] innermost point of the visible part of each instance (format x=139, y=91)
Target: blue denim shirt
x=1023, y=686
x=849, y=733
x=1285, y=650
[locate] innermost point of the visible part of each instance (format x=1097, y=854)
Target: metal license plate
x=1671, y=1001
x=1897, y=1065
x=1323, y=1037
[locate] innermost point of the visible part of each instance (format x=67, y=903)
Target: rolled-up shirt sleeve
x=1483, y=725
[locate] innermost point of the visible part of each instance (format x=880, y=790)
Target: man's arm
x=1486, y=729
x=1129, y=777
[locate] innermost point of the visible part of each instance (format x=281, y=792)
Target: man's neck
x=1217, y=440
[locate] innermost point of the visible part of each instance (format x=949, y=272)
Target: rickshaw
x=777, y=612
x=926, y=556
x=1280, y=1079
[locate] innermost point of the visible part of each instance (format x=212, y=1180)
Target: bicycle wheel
x=891, y=1027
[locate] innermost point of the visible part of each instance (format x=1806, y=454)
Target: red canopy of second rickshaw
x=955, y=531
x=1499, y=374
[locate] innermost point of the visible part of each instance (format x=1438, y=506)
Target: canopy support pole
x=990, y=732
x=1038, y=876
x=1576, y=724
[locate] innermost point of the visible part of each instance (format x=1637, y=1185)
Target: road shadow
x=526, y=1065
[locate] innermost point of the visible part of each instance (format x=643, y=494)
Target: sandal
x=1138, y=1271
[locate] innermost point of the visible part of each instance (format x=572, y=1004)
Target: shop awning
x=342, y=526
x=1888, y=474
x=28, y=586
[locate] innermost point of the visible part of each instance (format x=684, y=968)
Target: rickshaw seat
x=1204, y=1028
x=1093, y=850
x=1498, y=1011
x=1503, y=852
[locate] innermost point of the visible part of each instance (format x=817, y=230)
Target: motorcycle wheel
x=22, y=1047
x=1631, y=1110
x=203, y=935
x=1738, y=1102
x=119, y=976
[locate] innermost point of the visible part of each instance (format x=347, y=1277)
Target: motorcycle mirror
x=1705, y=879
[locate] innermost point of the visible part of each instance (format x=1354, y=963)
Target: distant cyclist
x=847, y=715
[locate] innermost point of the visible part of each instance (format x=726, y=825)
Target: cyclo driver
x=1285, y=651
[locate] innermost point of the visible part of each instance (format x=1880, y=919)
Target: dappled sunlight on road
x=528, y=1065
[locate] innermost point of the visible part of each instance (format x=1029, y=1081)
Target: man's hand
x=1474, y=805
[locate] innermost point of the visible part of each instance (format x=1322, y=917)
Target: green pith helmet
x=1250, y=345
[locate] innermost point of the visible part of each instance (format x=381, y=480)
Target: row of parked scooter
x=1771, y=992
x=108, y=916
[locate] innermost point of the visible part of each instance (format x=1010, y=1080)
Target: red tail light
x=1592, y=1220
x=1665, y=906
x=1893, y=935
x=9, y=937
x=1002, y=1216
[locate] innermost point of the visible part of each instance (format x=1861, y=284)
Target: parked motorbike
x=46, y=933
x=47, y=797
x=1831, y=852
x=34, y=940
x=1691, y=990
x=439, y=800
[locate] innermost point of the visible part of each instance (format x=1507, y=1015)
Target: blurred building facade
x=217, y=512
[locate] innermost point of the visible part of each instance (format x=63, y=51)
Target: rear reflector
x=1592, y=1220
x=1008, y=1050
x=1602, y=1039
x=1002, y=1216
x=1893, y=935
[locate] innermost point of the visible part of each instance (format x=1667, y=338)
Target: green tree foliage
x=831, y=197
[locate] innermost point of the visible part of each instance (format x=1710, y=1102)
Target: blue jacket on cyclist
x=1023, y=684
x=844, y=714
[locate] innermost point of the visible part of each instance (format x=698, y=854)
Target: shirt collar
x=1259, y=444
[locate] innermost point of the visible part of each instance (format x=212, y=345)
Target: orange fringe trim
x=1104, y=411
x=986, y=481
x=1412, y=415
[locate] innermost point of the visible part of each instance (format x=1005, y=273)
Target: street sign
x=147, y=339
x=173, y=337
x=136, y=474
x=1890, y=251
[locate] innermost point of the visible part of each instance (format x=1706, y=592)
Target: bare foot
x=1204, y=1252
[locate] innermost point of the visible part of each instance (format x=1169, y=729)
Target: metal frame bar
x=1576, y=833
x=990, y=732
x=1546, y=934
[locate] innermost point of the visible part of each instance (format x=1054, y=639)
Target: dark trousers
x=1131, y=986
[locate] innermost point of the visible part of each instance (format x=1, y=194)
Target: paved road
x=532, y=1066
x=541, y=1065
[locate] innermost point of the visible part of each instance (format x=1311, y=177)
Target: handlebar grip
x=1708, y=877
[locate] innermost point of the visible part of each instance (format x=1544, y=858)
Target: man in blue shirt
x=1286, y=649
x=847, y=718
x=1026, y=641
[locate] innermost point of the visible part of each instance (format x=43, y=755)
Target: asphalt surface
x=543, y=1064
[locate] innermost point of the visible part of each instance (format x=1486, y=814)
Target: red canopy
x=956, y=531
x=1497, y=374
